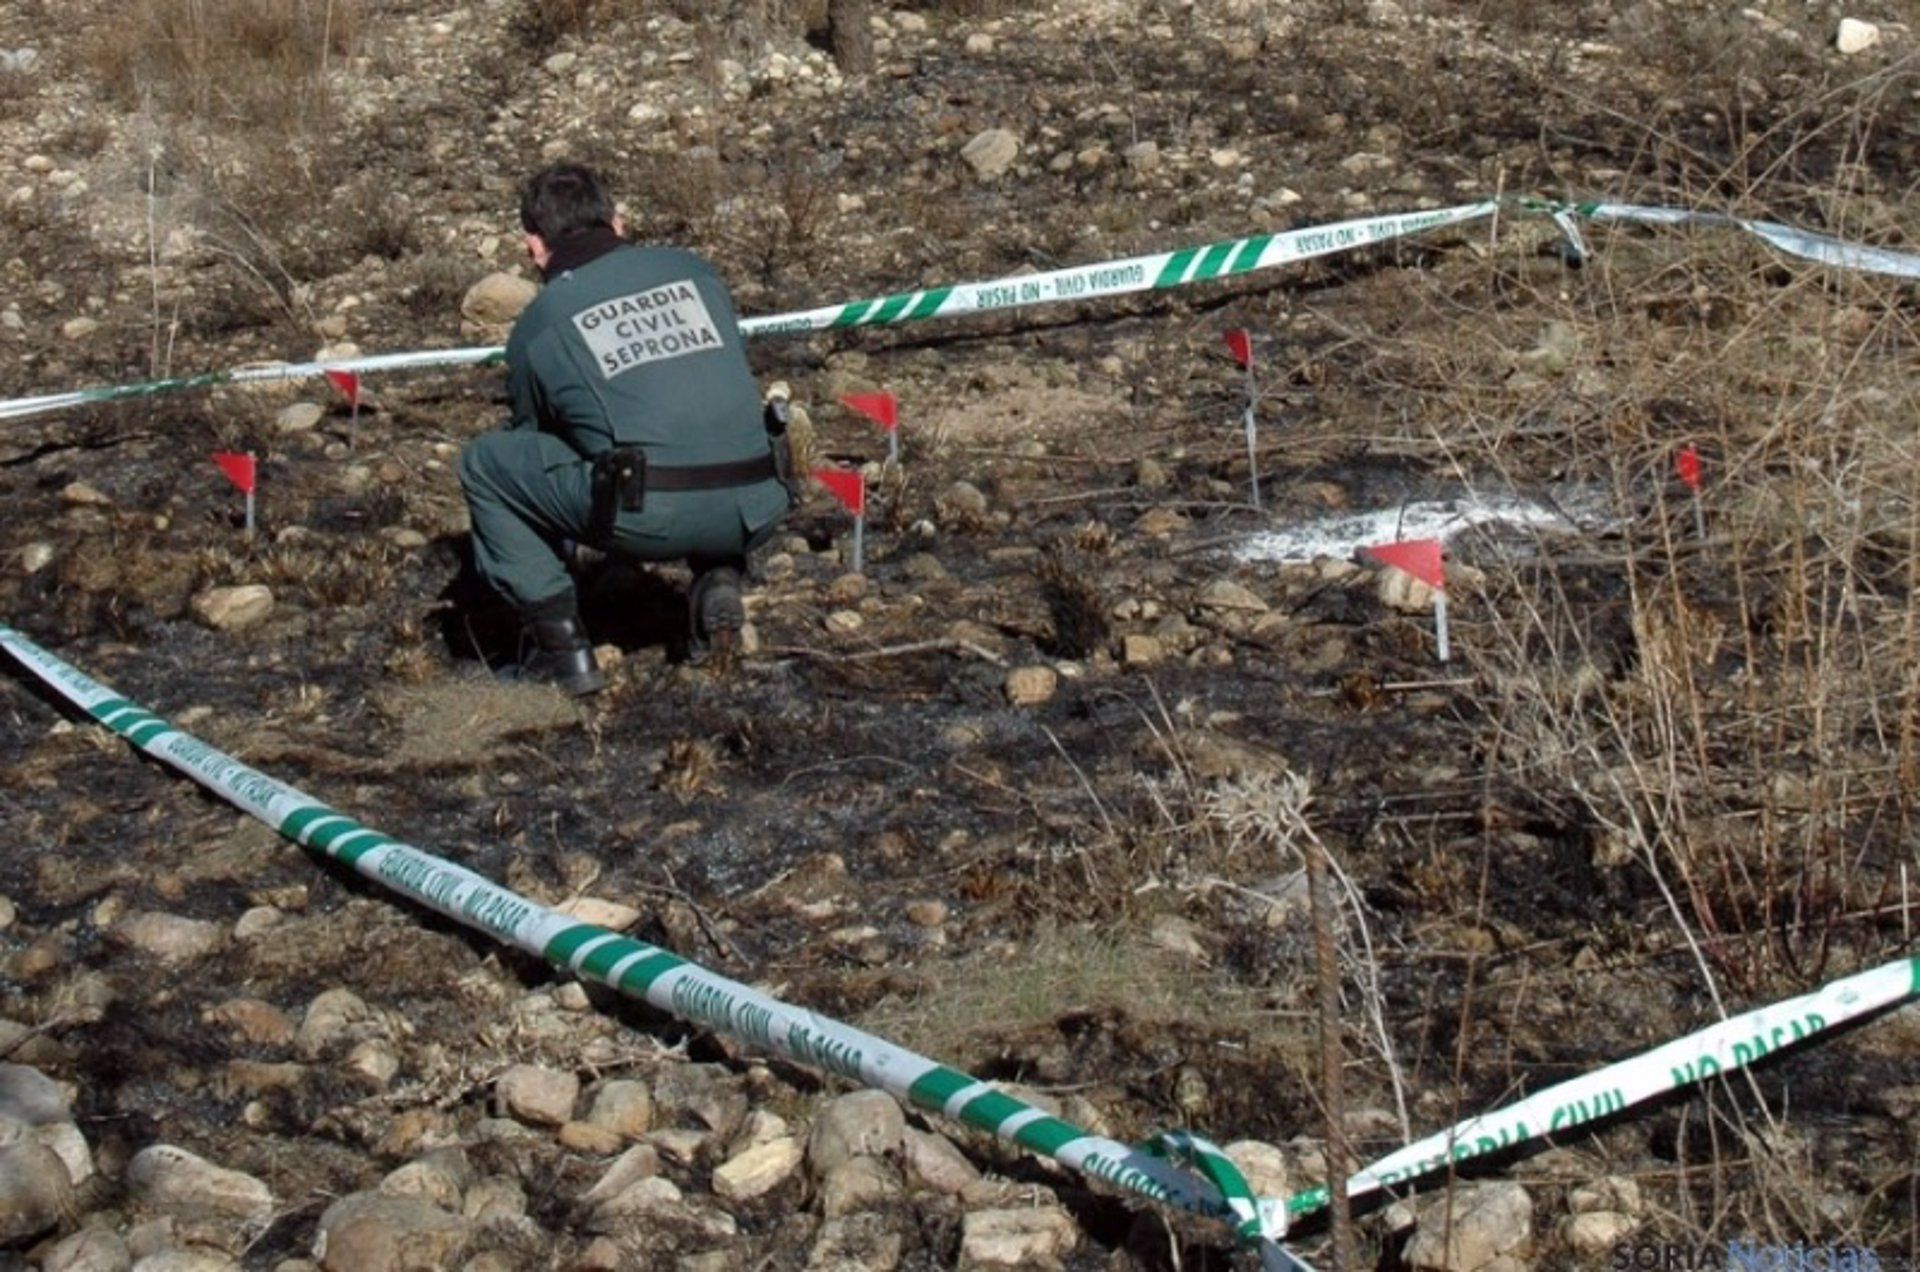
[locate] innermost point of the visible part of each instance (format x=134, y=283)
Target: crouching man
x=636, y=428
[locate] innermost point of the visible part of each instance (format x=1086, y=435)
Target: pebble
x=934, y=1163
x=254, y=921
x=1225, y=594
x=440, y=1177
x=35, y=557
x=615, y=916
x=233, y=608
x=623, y=1106
x=333, y=1018
x=535, y=1095
x=862, y=1124
x=171, y=938
x=758, y=1170
x=255, y=1021
x=376, y=1061
x=859, y=1183
x=95, y=1248
x=1032, y=686
x=979, y=43
x=595, y=1141
x=1264, y=1165
x=844, y=622
x=1142, y=156
x=1855, y=36
x=30, y=1097
x=707, y=1093
x=927, y=914
x=1039, y=1236
x=172, y=1179
x=79, y=328
x=35, y=1190
x=299, y=417
x=847, y=589
x=496, y=300
x=370, y=1230
x=962, y=502
x=1140, y=650
x=1401, y=592
x=1471, y=1227
x=991, y=153
x=78, y=494
x=1594, y=1233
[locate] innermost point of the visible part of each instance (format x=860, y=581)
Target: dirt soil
x=1661, y=773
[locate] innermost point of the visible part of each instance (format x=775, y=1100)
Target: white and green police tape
x=1159, y=272
x=1213, y=1187
x=1727, y=1047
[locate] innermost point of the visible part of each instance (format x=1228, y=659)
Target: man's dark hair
x=561, y=200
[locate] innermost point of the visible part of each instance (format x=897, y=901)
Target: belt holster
x=619, y=485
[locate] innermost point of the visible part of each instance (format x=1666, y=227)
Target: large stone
x=991, y=153
x=496, y=300
x=709, y=1094
x=642, y=1161
x=1031, y=686
x=441, y=1177
x=1591, y=1234
x=30, y=1097
x=92, y=1249
x=333, y=1019
x=537, y=1096
x=69, y=1145
x=375, y=1232
x=860, y=1183
x=759, y=1170
x=231, y=608
x=1036, y=1237
x=934, y=1163
x=171, y=938
x=1401, y=592
x=1232, y=597
x=1472, y=1228
x=1264, y=1166
x=35, y=1190
x=624, y=1107
x=1855, y=36
x=172, y=1179
x=863, y=1124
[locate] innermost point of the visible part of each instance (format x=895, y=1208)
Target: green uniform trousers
x=528, y=491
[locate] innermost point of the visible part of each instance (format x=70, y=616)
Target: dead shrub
x=250, y=63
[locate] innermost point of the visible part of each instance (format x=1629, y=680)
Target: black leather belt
x=741, y=472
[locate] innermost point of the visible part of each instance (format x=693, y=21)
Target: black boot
x=556, y=651
x=716, y=612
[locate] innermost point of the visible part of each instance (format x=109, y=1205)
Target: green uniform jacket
x=637, y=347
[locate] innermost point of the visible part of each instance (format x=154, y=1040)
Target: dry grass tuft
x=251, y=64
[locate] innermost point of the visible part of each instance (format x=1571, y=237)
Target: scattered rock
x=859, y=1183
x=174, y=1180
x=1471, y=1228
x=1264, y=1165
x=1142, y=156
x=69, y=1145
x=1855, y=36
x=962, y=504
x=927, y=914
x=934, y=1163
x=35, y=557
x=1610, y=1192
x=253, y=1020
x=334, y=1018
x=1595, y=1232
x=30, y=1097
x=96, y=1248
x=1141, y=650
x=35, y=1191
x=707, y=1093
x=78, y=494
x=1038, y=1237
x=758, y=1170
x=1176, y=935
x=171, y=938
x=231, y=608
x=1229, y=596
x=642, y=1161
x=615, y=916
x=535, y=1095
x=623, y=1106
x=862, y=1124
x=844, y=622
x=496, y=300
x=1031, y=686
x=1403, y=593
x=299, y=417
x=594, y=1141
x=77, y=329
x=440, y=1177
x=991, y=153
x=378, y=1232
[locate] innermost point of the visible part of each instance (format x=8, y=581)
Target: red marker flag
x=850, y=488
x=1418, y=557
x=238, y=468
x=878, y=407
x=1687, y=463
x=348, y=383
x=1240, y=345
